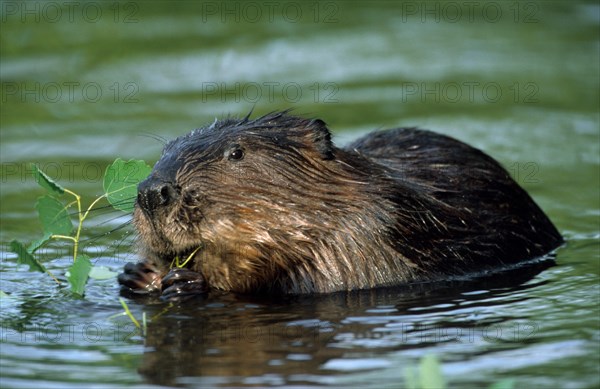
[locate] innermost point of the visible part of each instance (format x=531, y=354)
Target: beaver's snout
x=154, y=192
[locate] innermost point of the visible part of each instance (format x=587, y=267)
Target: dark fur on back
x=296, y=214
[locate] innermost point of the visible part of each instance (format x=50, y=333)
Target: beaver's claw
x=182, y=284
x=140, y=278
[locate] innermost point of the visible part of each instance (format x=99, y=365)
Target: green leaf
x=507, y=383
x=54, y=217
x=46, y=182
x=430, y=372
x=78, y=274
x=102, y=273
x=36, y=244
x=121, y=180
x=25, y=258
x=3, y=295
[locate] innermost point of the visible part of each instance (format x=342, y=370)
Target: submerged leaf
x=410, y=378
x=507, y=383
x=25, y=258
x=121, y=180
x=430, y=372
x=102, y=273
x=46, y=182
x=54, y=216
x=78, y=274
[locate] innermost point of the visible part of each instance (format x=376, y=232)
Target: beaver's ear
x=321, y=138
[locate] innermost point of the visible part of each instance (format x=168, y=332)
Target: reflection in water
x=227, y=339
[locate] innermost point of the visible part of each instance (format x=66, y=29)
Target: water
x=86, y=82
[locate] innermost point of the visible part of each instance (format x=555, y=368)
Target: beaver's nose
x=154, y=193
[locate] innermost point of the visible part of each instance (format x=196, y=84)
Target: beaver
x=272, y=205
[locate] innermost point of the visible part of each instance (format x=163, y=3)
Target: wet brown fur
x=298, y=215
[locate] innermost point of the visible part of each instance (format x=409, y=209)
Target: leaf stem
x=63, y=237
x=129, y=314
x=80, y=217
x=189, y=257
x=54, y=278
x=175, y=262
x=91, y=206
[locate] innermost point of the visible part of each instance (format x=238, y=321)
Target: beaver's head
x=253, y=195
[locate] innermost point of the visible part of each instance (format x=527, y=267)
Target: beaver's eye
x=236, y=154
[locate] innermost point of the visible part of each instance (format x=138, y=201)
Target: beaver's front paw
x=140, y=278
x=181, y=284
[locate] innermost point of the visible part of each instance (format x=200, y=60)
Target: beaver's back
x=478, y=217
